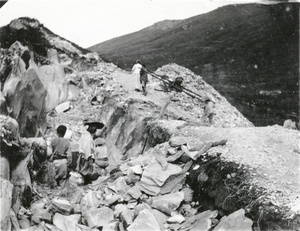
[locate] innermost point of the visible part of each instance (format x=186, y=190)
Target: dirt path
x=157, y=97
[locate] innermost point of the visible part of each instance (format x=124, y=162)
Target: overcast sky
x=88, y=22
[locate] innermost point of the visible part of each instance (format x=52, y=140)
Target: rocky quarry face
x=166, y=170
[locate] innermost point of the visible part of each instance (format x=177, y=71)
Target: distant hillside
x=249, y=53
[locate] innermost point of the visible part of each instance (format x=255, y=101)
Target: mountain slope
x=33, y=36
x=249, y=53
x=30, y=32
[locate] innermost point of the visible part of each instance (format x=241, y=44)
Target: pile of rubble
x=145, y=193
x=151, y=158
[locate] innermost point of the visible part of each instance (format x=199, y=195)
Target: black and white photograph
x=149, y=115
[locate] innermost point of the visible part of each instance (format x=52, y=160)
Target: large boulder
x=52, y=78
x=25, y=96
x=32, y=92
x=5, y=201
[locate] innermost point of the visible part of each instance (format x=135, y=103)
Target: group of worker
x=90, y=160
x=140, y=77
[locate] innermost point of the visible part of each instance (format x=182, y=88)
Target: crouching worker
x=59, y=156
x=86, y=143
x=101, y=157
x=209, y=111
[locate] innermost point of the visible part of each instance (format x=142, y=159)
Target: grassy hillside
x=249, y=53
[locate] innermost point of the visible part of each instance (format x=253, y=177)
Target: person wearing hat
x=58, y=153
x=87, y=146
x=209, y=111
x=136, y=69
x=292, y=122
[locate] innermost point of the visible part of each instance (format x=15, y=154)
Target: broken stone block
x=62, y=206
x=118, y=209
x=173, y=183
x=40, y=204
x=5, y=201
x=178, y=218
x=205, y=147
x=188, y=194
x=80, y=227
x=160, y=157
x=98, y=217
x=172, y=151
x=178, y=141
x=194, y=145
x=41, y=227
x=140, y=207
x=135, y=192
x=176, y=156
x=235, y=221
x=144, y=221
x=113, y=226
x=89, y=201
x=219, y=142
x=160, y=217
x=184, y=158
x=131, y=177
x=191, y=154
x=40, y=214
x=119, y=186
x=62, y=107
x=131, y=204
x=168, y=203
x=112, y=198
x=137, y=169
x=142, y=160
x=154, y=177
x=127, y=217
x=202, y=221
x=76, y=195
x=66, y=223
x=24, y=224
x=14, y=221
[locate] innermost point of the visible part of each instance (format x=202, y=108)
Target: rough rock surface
x=135, y=136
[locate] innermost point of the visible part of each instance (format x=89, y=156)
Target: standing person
x=136, y=69
x=87, y=148
x=58, y=152
x=209, y=111
x=144, y=79
x=292, y=122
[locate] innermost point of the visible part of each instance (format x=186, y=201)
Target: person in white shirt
x=136, y=69
x=87, y=147
x=209, y=111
